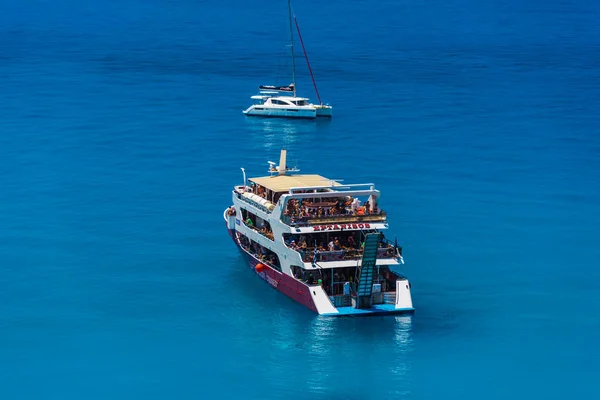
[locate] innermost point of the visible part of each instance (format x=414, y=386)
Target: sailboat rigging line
x=292, y=45
x=307, y=62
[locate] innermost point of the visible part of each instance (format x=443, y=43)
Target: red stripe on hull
x=286, y=284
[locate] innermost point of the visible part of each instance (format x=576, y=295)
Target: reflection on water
x=397, y=328
x=402, y=365
x=402, y=332
x=275, y=133
x=359, y=344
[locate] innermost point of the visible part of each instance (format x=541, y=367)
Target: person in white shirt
x=355, y=205
x=331, y=245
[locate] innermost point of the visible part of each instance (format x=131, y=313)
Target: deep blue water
x=121, y=135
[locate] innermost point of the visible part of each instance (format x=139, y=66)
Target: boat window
x=341, y=282
x=280, y=102
x=263, y=254
x=337, y=245
x=320, y=277
x=300, y=102
x=311, y=277
x=257, y=224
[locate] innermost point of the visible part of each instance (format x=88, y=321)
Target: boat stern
x=391, y=302
x=324, y=111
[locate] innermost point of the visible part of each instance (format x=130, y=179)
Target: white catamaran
x=282, y=101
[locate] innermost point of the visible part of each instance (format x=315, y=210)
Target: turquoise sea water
x=121, y=136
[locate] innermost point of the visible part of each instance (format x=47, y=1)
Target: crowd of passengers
x=347, y=241
x=265, y=193
x=264, y=230
x=343, y=279
x=335, y=282
x=310, y=208
x=263, y=254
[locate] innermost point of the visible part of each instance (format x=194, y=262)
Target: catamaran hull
x=324, y=111
x=279, y=113
x=300, y=292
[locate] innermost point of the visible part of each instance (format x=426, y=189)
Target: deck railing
x=268, y=235
x=261, y=257
x=255, y=201
x=333, y=219
x=308, y=255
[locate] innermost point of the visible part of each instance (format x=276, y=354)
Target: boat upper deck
x=313, y=200
x=310, y=199
x=284, y=183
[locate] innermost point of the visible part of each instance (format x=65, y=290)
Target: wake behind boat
x=314, y=240
x=271, y=100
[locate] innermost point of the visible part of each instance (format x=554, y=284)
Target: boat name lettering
x=272, y=282
x=340, y=226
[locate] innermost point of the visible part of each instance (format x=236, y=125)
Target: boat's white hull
x=282, y=112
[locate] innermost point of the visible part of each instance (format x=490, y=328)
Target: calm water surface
x=121, y=135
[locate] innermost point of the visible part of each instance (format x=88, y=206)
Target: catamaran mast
x=307, y=62
x=292, y=46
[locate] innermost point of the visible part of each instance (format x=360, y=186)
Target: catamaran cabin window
x=300, y=102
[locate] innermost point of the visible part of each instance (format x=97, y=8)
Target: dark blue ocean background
x=122, y=134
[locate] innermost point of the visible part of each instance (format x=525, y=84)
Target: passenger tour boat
x=319, y=242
